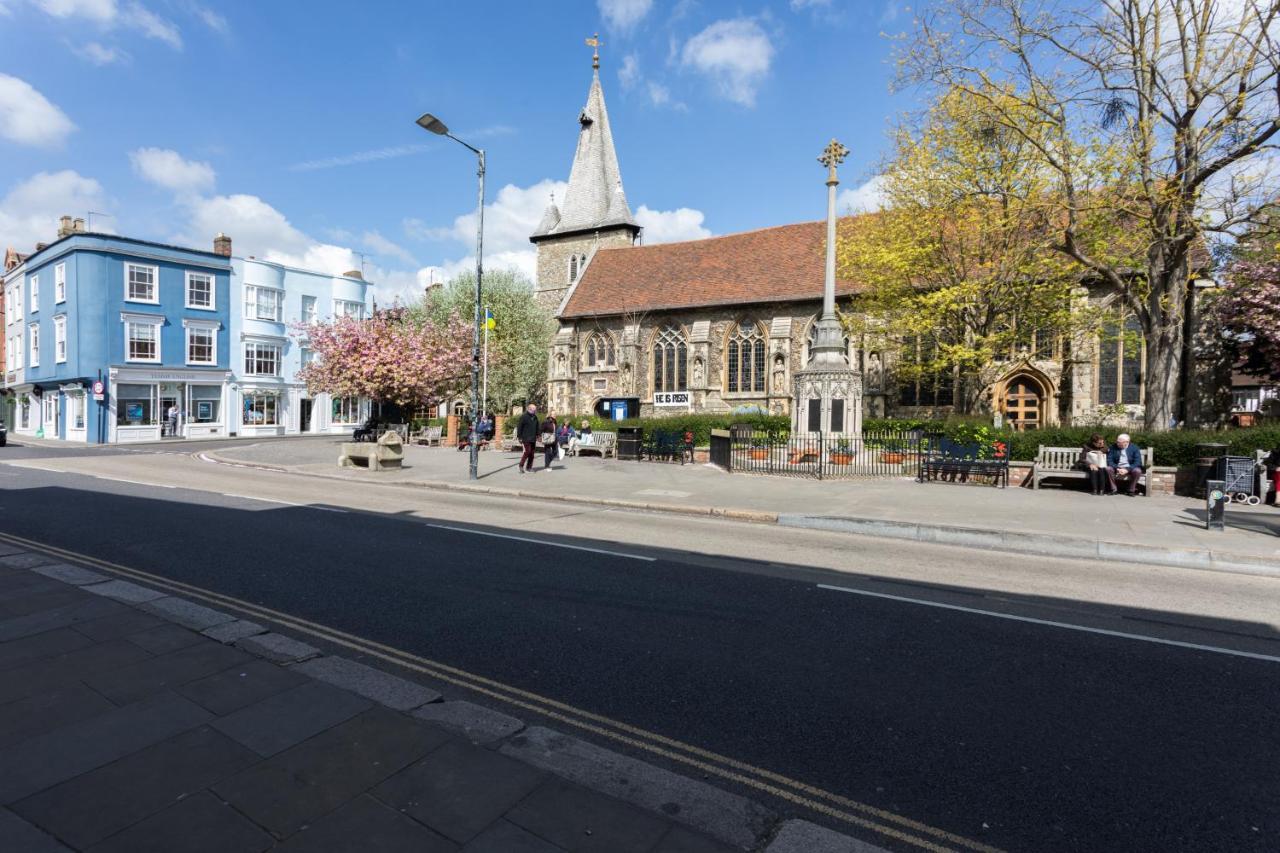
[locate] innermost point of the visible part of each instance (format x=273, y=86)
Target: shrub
x=699, y=425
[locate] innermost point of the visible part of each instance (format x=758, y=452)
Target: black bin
x=1207, y=456
x=630, y=440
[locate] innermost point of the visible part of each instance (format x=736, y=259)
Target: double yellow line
x=834, y=806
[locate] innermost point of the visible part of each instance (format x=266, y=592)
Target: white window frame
x=186, y=290
x=33, y=345
x=314, y=316
x=35, y=292
x=156, y=323
x=210, y=326
x=60, y=339
x=19, y=295
x=254, y=315
x=155, y=283
x=250, y=362
x=60, y=283
x=348, y=308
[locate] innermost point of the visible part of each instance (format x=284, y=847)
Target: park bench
x=951, y=462
x=427, y=437
x=386, y=452
x=669, y=446
x=1063, y=462
x=603, y=443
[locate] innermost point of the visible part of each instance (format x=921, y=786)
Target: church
x=726, y=323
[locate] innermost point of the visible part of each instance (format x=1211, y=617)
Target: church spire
x=595, y=199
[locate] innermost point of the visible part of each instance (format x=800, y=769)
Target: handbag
x=546, y=438
x=560, y=451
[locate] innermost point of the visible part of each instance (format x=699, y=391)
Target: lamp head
x=433, y=124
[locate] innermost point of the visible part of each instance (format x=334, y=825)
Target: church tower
x=594, y=213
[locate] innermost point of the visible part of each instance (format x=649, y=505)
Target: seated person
x=366, y=432
x=568, y=438
x=1093, y=459
x=584, y=435
x=1124, y=463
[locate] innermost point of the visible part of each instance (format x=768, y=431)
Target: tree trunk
x=1163, y=327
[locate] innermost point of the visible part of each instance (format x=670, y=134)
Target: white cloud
x=168, y=169
x=622, y=15
x=211, y=19
x=629, y=72
x=359, y=157
x=382, y=246
x=735, y=53
x=891, y=11
x=109, y=13
x=152, y=25
x=671, y=226
x=29, y=213
x=862, y=199
x=98, y=10
x=27, y=117
x=100, y=54
x=508, y=220
x=797, y=5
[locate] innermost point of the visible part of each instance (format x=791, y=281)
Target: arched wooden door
x=1024, y=403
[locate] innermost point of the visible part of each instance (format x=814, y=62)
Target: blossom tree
x=1248, y=311
x=390, y=357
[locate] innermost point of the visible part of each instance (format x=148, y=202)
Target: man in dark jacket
x=527, y=434
x=1124, y=461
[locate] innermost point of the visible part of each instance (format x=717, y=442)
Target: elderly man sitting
x=1124, y=461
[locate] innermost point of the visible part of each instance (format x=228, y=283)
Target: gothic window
x=577, y=263
x=600, y=351
x=670, y=360
x=1121, y=354
x=921, y=382
x=744, y=359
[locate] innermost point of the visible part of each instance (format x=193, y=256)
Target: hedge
x=699, y=425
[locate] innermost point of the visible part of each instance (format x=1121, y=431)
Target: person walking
x=527, y=430
x=550, y=431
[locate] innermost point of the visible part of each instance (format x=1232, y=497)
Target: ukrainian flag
x=488, y=319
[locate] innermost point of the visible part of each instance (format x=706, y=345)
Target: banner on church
x=672, y=398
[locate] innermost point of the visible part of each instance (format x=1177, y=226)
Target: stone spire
x=595, y=199
x=550, y=217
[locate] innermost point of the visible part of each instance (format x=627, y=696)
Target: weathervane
x=594, y=43
x=833, y=155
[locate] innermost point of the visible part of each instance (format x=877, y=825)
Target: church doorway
x=1024, y=403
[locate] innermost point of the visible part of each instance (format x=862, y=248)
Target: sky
x=293, y=131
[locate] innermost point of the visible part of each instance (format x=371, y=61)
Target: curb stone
x=729, y=817
x=397, y=693
x=188, y=614
x=70, y=574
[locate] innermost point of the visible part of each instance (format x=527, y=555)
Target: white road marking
x=1067, y=625
x=123, y=480
x=263, y=500
x=328, y=509
x=543, y=542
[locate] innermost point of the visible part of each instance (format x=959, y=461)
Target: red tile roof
x=781, y=264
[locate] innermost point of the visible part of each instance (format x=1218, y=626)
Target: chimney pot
x=78, y=224
x=353, y=274
x=222, y=245
x=64, y=226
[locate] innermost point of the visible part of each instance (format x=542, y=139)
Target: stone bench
x=386, y=452
x=1064, y=462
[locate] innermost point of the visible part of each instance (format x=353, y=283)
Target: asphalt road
x=1020, y=735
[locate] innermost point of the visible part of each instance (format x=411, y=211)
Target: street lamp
x=429, y=122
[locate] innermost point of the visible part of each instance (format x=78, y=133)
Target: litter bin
x=629, y=442
x=1207, y=456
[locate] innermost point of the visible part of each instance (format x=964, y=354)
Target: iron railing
x=880, y=453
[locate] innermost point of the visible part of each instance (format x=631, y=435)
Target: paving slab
x=165, y=638
x=583, y=821
x=459, y=789
x=301, y=784
x=124, y=591
x=68, y=573
x=681, y=840
x=48, y=644
x=136, y=681
x=706, y=808
x=83, y=609
x=21, y=837
x=382, y=687
x=366, y=824
x=235, y=688
x=188, y=614
x=197, y=824
x=278, y=647
x=19, y=583
x=229, y=632
x=505, y=837
x=100, y=803
x=27, y=560
x=476, y=723
x=801, y=836
x=47, y=674
x=43, y=712
x=279, y=721
x=127, y=620
x=36, y=599
x=54, y=757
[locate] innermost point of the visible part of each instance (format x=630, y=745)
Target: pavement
x=132, y=720
x=1060, y=522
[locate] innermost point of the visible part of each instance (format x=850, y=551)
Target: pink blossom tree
x=1248, y=311
x=390, y=357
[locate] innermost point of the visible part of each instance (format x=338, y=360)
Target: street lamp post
x=436, y=126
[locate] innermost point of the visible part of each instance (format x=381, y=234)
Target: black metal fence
x=821, y=456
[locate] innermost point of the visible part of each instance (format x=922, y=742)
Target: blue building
x=272, y=301
x=147, y=320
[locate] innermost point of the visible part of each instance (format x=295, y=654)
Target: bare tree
x=1159, y=119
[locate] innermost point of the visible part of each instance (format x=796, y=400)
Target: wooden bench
x=603, y=443
x=1064, y=462
x=386, y=452
x=428, y=437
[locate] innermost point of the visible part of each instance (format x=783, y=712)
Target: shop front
x=147, y=405
x=264, y=409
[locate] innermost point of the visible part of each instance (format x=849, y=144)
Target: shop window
x=135, y=405
x=261, y=408
x=347, y=410
x=206, y=404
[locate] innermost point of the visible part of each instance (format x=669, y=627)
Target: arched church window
x=573, y=268
x=600, y=351
x=670, y=360
x=1121, y=358
x=744, y=359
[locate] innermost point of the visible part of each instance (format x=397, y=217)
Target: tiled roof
x=781, y=264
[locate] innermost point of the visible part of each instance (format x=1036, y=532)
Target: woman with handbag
x=1093, y=459
x=548, y=440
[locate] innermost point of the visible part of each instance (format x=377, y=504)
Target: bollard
x=1215, y=505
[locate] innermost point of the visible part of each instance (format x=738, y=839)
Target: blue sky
x=293, y=132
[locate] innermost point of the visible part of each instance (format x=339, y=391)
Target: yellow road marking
x=775, y=784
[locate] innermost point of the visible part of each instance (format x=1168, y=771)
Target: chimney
x=222, y=245
x=64, y=226
x=353, y=274
x=40, y=247
x=78, y=225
